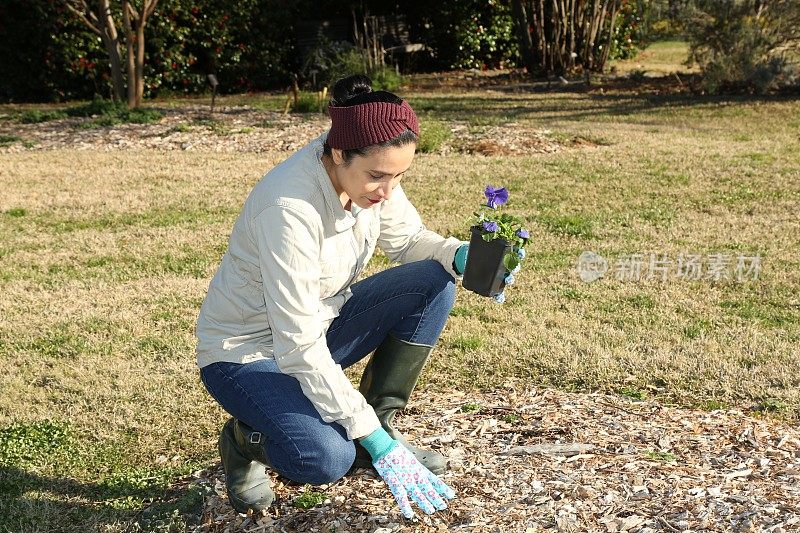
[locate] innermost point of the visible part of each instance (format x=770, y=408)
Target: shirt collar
x=342, y=220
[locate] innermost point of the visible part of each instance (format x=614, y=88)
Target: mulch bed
x=543, y=460
x=243, y=129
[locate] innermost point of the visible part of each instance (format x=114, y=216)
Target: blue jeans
x=411, y=301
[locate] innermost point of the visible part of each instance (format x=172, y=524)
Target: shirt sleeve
x=288, y=241
x=404, y=238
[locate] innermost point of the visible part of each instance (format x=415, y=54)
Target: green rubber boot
x=244, y=460
x=387, y=383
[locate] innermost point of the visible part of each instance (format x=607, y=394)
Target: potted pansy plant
x=496, y=247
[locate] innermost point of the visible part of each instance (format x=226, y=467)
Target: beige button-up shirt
x=293, y=254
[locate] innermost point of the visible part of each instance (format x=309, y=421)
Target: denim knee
x=439, y=283
x=328, y=462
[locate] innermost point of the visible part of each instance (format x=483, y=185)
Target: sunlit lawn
x=105, y=258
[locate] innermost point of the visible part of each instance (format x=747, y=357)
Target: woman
x=283, y=317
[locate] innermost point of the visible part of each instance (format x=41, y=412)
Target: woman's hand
x=405, y=476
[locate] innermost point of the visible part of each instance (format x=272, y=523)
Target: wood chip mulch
x=528, y=460
x=243, y=129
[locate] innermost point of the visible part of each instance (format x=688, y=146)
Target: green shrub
x=470, y=408
x=664, y=30
x=97, y=107
x=8, y=140
x=386, y=79
x=470, y=33
x=308, y=102
x=432, y=135
x=309, y=499
x=35, y=116
x=741, y=46
x=329, y=61
x=109, y=113
x=625, y=39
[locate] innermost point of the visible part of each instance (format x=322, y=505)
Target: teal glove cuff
x=460, y=260
x=378, y=443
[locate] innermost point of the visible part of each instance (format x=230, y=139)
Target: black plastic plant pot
x=485, y=272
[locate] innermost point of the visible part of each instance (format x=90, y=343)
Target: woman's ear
x=337, y=156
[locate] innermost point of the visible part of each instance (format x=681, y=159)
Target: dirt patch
x=529, y=460
x=506, y=140
x=242, y=129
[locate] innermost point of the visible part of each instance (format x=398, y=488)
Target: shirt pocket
x=336, y=265
x=334, y=275
x=252, y=307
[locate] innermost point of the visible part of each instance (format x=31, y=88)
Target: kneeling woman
x=283, y=317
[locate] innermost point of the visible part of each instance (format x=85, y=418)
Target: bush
x=744, y=45
x=664, y=30
x=469, y=33
x=626, y=37
x=109, y=113
x=386, y=79
x=35, y=116
x=329, y=61
x=47, y=55
x=310, y=102
x=432, y=135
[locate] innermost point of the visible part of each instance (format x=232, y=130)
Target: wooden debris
x=567, y=450
x=562, y=462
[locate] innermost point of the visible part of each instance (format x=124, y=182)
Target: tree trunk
x=540, y=30
x=572, y=17
x=614, y=10
x=139, y=62
x=524, y=36
x=128, y=27
x=110, y=39
x=554, y=33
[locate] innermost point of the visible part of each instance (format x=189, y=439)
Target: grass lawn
x=105, y=258
x=659, y=59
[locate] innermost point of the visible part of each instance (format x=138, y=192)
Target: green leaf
x=510, y=261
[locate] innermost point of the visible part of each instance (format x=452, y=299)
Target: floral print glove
x=509, y=279
x=405, y=476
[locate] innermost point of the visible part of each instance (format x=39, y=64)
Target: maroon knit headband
x=363, y=125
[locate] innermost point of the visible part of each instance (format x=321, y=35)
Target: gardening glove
x=406, y=476
x=460, y=260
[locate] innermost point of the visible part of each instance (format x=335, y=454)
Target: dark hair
x=355, y=90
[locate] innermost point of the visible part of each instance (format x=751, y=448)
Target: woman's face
x=368, y=180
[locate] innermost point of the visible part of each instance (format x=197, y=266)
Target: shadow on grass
x=622, y=99
x=30, y=502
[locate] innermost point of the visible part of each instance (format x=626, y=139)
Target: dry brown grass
x=103, y=274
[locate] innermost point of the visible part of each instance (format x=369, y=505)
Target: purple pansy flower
x=495, y=197
x=491, y=227
x=523, y=234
